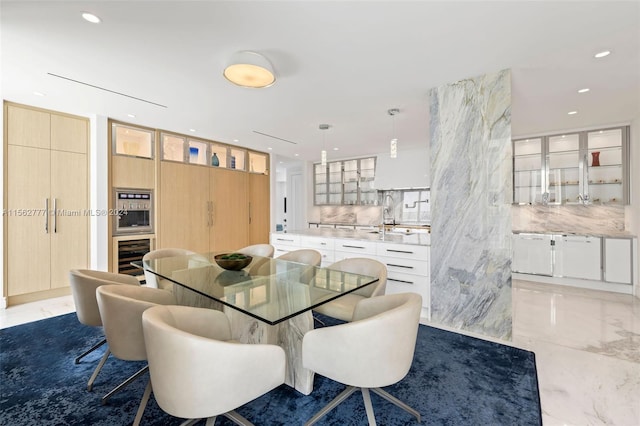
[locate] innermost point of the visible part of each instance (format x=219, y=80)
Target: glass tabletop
x=270, y=290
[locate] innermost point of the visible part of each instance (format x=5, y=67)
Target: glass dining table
x=268, y=301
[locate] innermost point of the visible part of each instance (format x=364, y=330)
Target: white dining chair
x=84, y=283
x=198, y=372
x=121, y=309
x=343, y=307
x=152, y=279
x=264, y=250
x=374, y=350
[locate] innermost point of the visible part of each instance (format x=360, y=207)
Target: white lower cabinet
x=532, y=254
x=407, y=265
x=618, y=260
x=577, y=257
x=284, y=243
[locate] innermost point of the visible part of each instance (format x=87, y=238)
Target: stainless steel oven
x=134, y=211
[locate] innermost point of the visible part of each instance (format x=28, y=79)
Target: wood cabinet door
x=69, y=134
x=230, y=229
x=70, y=220
x=259, y=209
x=28, y=236
x=183, y=208
x=28, y=127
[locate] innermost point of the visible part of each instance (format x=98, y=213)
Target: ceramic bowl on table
x=232, y=261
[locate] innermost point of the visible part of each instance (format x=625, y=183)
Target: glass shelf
x=132, y=141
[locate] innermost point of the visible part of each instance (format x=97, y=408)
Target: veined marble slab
x=471, y=194
x=579, y=219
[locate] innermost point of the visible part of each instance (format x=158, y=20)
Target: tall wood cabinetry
x=208, y=204
x=46, y=199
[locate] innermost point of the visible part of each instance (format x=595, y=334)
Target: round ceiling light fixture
x=250, y=69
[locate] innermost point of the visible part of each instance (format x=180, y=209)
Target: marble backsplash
x=579, y=219
x=356, y=215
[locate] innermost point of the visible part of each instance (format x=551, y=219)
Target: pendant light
x=393, y=145
x=323, y=153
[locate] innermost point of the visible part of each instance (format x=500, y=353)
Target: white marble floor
x=587, y=346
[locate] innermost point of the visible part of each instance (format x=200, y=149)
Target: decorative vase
x=233, y=162
x=193, y=154
x=595, y=159
x=215, y=161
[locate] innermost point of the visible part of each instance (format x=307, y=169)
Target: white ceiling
x=340, y=63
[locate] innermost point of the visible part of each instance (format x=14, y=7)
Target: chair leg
x=97, y=370
x=123, y=384
x=368, y=407
x=386, y=395
x=236, y=418
x=192, y=422
x=143, y=404
x=93, y=348
x=330, y=406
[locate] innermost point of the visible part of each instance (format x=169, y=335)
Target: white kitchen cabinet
x=577, y=257
x=532, y=254
x=323, y=245
x=618, y=260
x=409, y=170
x=284, y=243
x=348, y=248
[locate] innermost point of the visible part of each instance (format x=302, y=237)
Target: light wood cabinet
x=47, y=216
x=202, y=209
x=230, y=216
x=259, y=203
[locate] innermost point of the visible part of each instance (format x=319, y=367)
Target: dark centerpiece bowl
x=232, y=261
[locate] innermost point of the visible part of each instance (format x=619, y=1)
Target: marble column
x=471, y=193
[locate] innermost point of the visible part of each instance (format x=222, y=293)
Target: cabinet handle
x=283, y=239
x=358, y=247
x=323, y=244
x=249, y=212
x=399, y=251
x=55, y=215
x=400, y=266
x=400, y=281
x=46, y=215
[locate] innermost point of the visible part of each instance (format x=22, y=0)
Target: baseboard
x=39, y=295
x=575, y=282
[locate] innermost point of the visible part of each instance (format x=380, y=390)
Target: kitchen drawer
x=356, y=246
x=318, y=243
x=279, y=250
x=285, y=239
x=408, y=283
x=405, y=251
x=327, y=257
x=341, y=255
x=407, y=266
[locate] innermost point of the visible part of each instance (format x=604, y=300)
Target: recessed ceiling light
x=90, y=17
x=585, y=90
x=602, y=54
x=269, y=148
x=572, y=112
x=39, y=94
x=192, y=130
x=131, y=115
x=564, y=136
x=236, y=140
x=295, y=155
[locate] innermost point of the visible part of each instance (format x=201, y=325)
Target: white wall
x=632, y=213
x=3, y=299
x=99, y=191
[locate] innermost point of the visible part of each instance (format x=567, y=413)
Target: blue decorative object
x=193, y=154
x=215, y=161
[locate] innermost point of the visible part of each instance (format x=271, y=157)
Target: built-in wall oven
x=134, y=211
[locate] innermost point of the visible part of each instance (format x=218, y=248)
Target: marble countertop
x=413, y=238
x=610, y=234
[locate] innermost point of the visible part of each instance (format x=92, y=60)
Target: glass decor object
x=595, y=158
x=215, y=161
x=193, y=154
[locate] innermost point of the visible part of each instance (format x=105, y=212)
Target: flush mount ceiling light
x=393, y=145
x=323, y=153
x=250, y=69
x=90, y=17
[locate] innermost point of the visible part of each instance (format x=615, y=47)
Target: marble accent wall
x=589, y=219
x=471, y=194
x=360, y=215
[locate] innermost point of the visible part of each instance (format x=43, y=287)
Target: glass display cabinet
x=132, y=141
x=348, y=182
x=573, y=168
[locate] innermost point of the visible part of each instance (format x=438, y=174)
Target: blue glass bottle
x=215, y=161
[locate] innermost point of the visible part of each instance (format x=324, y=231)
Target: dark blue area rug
x=454, y=380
